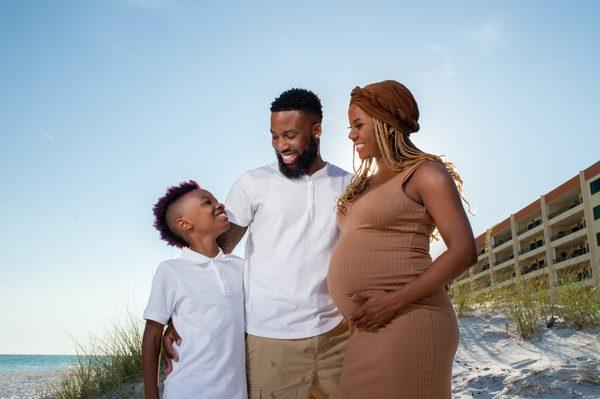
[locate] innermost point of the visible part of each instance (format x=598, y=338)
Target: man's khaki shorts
x=296, y=368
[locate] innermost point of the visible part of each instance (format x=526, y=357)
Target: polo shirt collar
x=197, y=258
x=323, y=171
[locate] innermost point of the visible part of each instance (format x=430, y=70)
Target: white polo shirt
x=205, y=299
x=292, y=231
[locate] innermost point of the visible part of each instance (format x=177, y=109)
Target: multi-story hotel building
x=556, y=236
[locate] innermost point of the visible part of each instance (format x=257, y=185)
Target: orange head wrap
x=390, y=102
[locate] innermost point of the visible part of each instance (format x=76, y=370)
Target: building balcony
x=529, y=227
x=480, y=273
x=568, y=232
x=535, y=273
x=573, y=257
x=532, y=267
x=502, y=245
x=532, y=247
x=478, y=269
x=482, y=255
x=565, y=208
x=503, y=260
x=501, y=242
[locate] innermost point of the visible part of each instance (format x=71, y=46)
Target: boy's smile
x=221, y=214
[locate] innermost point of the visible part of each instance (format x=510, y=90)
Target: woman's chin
x=362, y=156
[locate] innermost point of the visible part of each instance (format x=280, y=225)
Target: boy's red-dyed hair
x=162, y=206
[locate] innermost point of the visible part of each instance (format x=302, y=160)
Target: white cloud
x=489, y=35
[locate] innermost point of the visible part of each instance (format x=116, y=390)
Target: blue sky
x=105, y=103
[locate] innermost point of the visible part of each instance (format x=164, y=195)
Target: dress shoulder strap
x=411, y=169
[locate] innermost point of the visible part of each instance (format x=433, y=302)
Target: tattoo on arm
x=228, y=240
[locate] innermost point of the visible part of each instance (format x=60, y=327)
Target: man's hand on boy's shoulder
x=228, y=240
x=170, y=336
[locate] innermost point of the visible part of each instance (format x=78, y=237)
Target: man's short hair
x=161, y=210
x=301, y=100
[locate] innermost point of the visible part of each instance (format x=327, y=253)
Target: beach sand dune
x=489, y=364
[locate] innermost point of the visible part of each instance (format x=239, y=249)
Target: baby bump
x=360, y=262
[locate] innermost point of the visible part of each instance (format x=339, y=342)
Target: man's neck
x=317, y=165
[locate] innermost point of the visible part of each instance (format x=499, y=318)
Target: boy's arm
x=150, y=356
x=228, y=240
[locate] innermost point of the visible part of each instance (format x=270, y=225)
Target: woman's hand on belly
x=377, y=308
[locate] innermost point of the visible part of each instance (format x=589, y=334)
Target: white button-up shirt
x=292, y=231
x=205, y=299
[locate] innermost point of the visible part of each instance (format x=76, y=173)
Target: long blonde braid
x=399, y=153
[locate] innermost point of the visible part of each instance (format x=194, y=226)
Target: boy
x=202, y=293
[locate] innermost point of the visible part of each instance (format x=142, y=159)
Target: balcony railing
x=481, y=269
x=570, y=231
x=565, y=208
x=500, y=242
x=530, y=226
x=574, y=254
x=499, y=261
x=533, y=266
x=535, y=245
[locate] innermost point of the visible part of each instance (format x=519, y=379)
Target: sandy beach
x=29, y=384
x=489, y=364
x=563, y=363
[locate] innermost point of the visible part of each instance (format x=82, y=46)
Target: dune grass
x=524, y=309
x=579, y=306
x=462, y=299
x=528, y=305
x=108, y=367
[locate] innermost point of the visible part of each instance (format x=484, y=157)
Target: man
x=295, y=335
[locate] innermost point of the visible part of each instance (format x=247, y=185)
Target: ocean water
x=17, y=363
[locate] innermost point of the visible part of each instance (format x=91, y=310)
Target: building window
x=595, y=186
x=598, y=238
x=597, y=212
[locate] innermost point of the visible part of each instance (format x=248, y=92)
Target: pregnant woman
x=404, y=332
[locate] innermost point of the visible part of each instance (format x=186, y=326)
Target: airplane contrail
x=47, y=135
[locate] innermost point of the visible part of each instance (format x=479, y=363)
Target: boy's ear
x=183, y=224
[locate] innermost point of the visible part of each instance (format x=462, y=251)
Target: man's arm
x=228, y=240
x=150, y=353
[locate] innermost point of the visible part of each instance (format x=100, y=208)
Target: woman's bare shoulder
x=432, y=173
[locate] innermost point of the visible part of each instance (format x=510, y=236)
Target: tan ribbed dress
x=385, y=244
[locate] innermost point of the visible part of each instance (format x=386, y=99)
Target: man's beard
x=304, y=162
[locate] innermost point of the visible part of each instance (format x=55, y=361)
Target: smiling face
x=294, y=138
x=200, y=212
x=362, y=133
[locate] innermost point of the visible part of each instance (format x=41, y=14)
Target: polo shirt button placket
x=225, y=290
x=310, y=199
